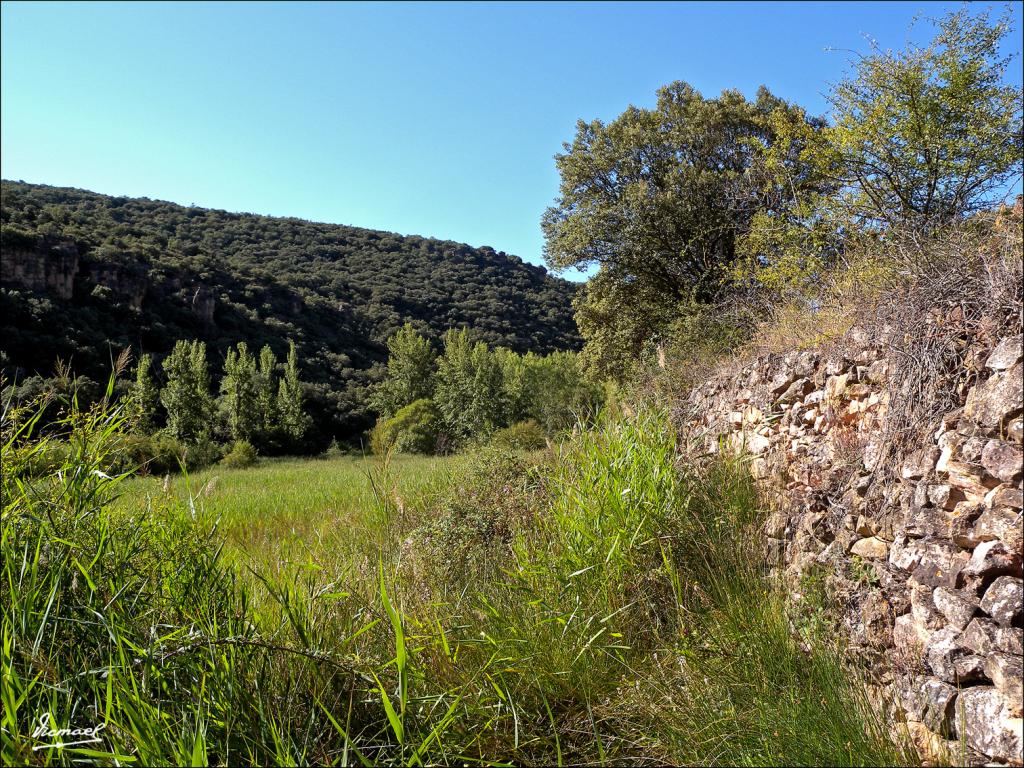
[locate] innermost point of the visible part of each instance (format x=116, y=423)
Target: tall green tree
x=659, y=200
x=240, y=395
x=515, y=384
x=926, y=135
x=468, y=391
x=293, y=419
x=186, y=398
x=146, y=395
x=410, y=372
x=267, y=395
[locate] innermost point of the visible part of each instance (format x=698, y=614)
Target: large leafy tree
x=926, y=135
x=660, y=198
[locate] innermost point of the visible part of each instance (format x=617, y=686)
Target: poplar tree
x=410, y=375
x=292, y=417
x=267, y=390
x=146, y=395
x=186, y=397
x=240, y=395
x=468, y=392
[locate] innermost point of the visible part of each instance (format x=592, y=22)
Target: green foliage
x=410, y=372
x=659, y=199
x=202, y=452
x=267, y=391
x=927, y=135
x=522, y=436
x=140, y=597
x=477, y=390
x=146, y=395
x=468, y=391
x=186, y=398
x=240, y=395
x=416, y=428
x=241, y=455
x=156, y=454
x=561, y=394
x=477, y=517
x=293, y=418
x=605, y=607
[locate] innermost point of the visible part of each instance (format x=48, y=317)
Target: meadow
x=601, y=602
x=291, y=513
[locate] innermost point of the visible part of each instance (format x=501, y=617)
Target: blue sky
x=431, y=119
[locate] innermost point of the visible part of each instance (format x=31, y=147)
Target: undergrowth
x=602, y=603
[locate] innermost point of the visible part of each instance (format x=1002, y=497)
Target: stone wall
x=921, y=547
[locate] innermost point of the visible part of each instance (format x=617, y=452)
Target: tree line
x=430, y=402
x=152, y=272
x=258, y=404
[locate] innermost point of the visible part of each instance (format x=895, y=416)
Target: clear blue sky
x=431, y=119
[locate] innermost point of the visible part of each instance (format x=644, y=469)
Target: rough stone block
x=920, y=463
x=931, y=702
x=985, y=721
x=1003, y=460
x=942, y=653
x=871, y=548
x=1002, y=523
x=958, y=607
x=1007, y=674
x=993, y=403
x=991, y=559
x=983, y=636
x=1004, y=601
x=1006, y=354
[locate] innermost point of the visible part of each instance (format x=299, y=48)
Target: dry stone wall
x=921, y=546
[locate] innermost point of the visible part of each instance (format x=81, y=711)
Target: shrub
x=203, y=452
x=522, y=436
x=416, y=428
x=151, y=454
x=241, y=455
x=477, y=517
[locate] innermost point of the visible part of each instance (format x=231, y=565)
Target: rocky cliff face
x=920, y=543
x=57, y=268
x=52, y=267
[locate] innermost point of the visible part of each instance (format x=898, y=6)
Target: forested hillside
x=85, y=275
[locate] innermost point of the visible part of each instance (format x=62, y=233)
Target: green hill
x=85, y=275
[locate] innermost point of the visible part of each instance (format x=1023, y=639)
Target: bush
x=203, y=452
x=157, y=454
x=416, y=428
x=241, y=455
x=522, y=436
x=477, y=517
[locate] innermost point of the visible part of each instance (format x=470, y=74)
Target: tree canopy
x=926, y=135
x=660, y=198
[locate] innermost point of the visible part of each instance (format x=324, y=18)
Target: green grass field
x=294, y=512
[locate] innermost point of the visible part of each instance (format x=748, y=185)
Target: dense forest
x=85, y=275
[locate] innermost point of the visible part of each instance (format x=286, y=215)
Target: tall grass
x=603, y=604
